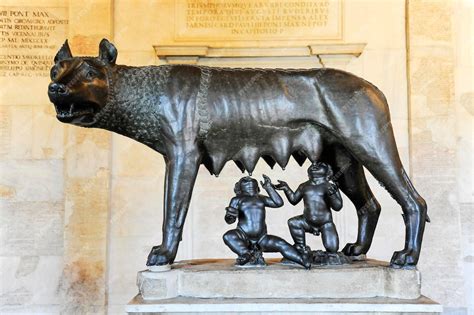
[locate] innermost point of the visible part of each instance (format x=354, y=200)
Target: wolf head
x=79, y=86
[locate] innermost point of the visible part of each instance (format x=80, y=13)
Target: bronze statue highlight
x=195, y=115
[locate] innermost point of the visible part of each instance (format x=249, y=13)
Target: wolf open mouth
x=73, y=112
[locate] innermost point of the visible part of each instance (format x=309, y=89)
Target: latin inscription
x=29, y=39
x=260, y=19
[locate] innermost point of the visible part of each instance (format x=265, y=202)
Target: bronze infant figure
x=195, y=115
x=319, y=196
x=250, y=238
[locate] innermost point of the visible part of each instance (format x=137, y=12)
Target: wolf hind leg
x=350, y=178
x=379, y=155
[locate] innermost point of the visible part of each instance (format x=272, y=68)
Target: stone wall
x=441, y=139
x=54, y=182
x=32, y=190
x=80, y=208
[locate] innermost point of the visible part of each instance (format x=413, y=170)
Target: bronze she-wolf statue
x=196, y=115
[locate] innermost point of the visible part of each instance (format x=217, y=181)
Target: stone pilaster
x=432, y=112
x=86, y=180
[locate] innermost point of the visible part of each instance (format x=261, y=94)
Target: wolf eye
x=90, y=74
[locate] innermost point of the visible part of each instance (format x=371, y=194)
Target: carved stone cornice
x=191, y=54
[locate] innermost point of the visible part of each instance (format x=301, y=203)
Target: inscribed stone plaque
x=198, y=20
x=29, y=39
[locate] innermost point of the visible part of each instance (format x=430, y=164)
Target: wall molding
x=191, y=54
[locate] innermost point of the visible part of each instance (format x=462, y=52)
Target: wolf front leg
x=181, y=174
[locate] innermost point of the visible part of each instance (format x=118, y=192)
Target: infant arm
x=294, y=197
x=334, y=197
x=274, y=201
x=232, y=211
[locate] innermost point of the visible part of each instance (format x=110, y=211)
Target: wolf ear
x=63, y=53
x=107, y=51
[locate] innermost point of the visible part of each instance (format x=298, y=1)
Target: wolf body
x=196, y=115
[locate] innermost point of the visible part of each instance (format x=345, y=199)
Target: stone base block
x=212, y=279
x=186, y=305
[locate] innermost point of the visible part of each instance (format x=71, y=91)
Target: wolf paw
x=406, y=258
x=354, y=249
x=159, y=255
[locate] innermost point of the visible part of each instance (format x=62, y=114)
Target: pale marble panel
x=136, y=207
x=135, y=224
x=35, y=181
x=127, y=256
x=31, y=228
x=86, y=152
x=27, y=281
x=431, y=22
x=434, y=139
x=90, y=21
x=133, y=159
x=385, y=68
x=35, y=3
x=136, y=57
x=124, y=30
x=30, y=132
x=18, y=131
x=87, y=180
x=32, y=180
x=31, y=189
x=86, y=206
x=48, y=133
x=464, y=95
x=378, y=23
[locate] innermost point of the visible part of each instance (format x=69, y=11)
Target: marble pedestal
x=217, y=286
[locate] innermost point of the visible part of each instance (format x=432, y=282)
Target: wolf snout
x=57, y=89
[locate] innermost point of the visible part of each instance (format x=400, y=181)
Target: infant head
x=246, y=186
x=318, y=170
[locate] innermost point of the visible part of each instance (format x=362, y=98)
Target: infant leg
x=237, y=242
x=298, y=226
x=330, y=237
x=272, y=244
